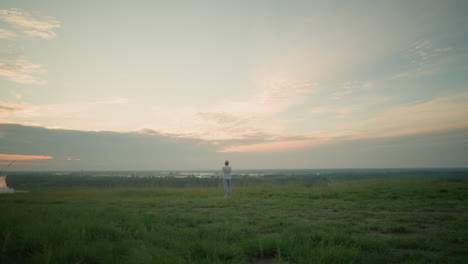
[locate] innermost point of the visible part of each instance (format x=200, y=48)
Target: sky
x=133, y=85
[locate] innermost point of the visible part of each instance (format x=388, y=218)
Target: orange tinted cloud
x=23, y=157
x=278, y=146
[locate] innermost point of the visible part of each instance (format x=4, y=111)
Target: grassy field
x=391, y=221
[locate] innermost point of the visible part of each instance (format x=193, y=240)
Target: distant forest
x=45, y=181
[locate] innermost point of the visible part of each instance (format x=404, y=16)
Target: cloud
x=438, y=115
x=7, y=107
x=23, y=157
x=424, y=59
x=39, y=26
x=401, y=75
x=279, y=146
x=332, y=110
x=74, y=109
x=135, y=151
x=350, y=87
x=6, y=34
x=345, y=89
x=368, y=85
x=101, y=114
x=23, y=110
x=424, y=50
x=116, y=150
x=279, y=93
x=21, y=71
x=443, y=113
x=340, y=94
x=114, y=100
x=255, y=115
x=16, y=94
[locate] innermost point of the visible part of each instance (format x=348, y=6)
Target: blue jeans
x=227, y=186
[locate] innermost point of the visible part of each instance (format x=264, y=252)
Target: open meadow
x=374, y=220
x=342, y=123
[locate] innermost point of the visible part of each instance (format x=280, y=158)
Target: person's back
x=227, y=172
x=227, y=179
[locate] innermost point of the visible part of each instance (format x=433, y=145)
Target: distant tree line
x=41, y=181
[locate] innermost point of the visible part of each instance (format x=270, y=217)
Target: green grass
x=363, y=222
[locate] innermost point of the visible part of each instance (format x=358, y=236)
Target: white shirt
x=227, y=172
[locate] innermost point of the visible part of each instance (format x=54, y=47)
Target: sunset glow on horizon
x=23, y=157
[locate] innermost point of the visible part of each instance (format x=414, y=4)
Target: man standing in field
x=227, y=179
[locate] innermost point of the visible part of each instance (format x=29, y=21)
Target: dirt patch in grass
x=378, y=234
x=422, y=212
x=207, y=208
x=270, y=260
x=372, y=220
x=330, y=211
x=327, y=220
x=304, y=220
x=203, y=208
x=461, y=214
x=400, y=230
x=384, y=212
x=424, y=228
x=266, y=234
